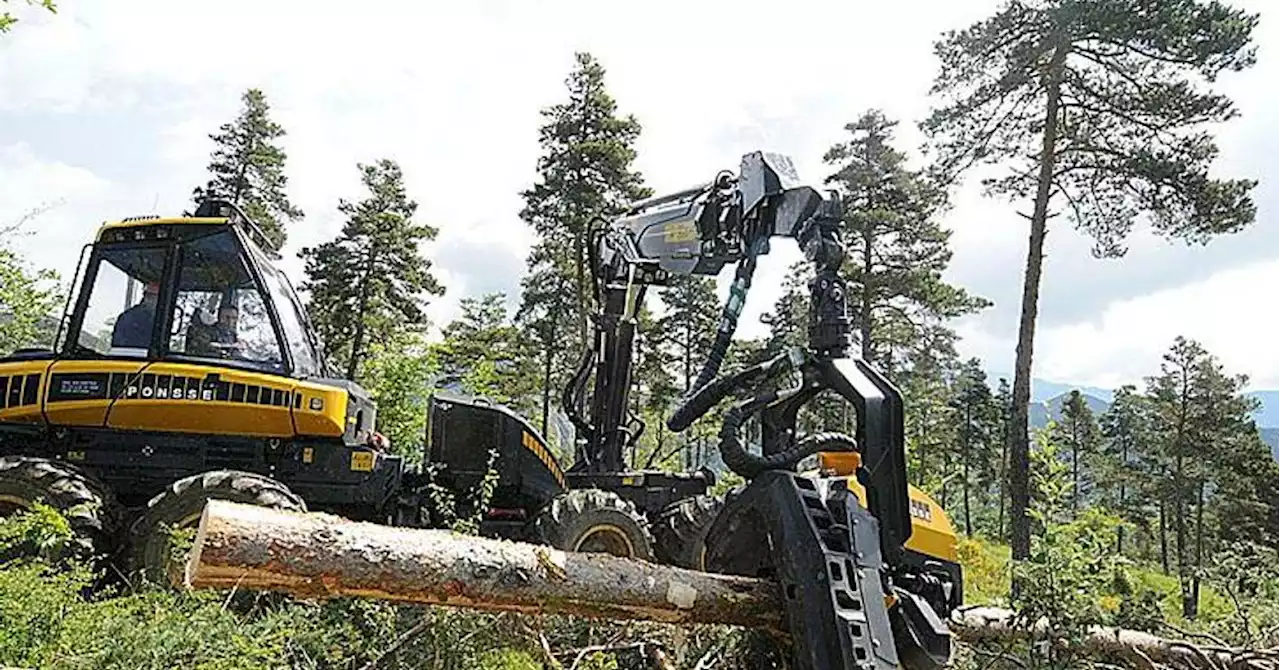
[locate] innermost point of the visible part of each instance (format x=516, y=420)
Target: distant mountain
x=1041, y=412
x=1043, y=391
x=1272, y=437
x=1268, y=416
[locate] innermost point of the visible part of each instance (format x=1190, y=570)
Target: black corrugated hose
x=748, y=465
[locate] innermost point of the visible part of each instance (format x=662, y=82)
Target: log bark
x=318, y=555
x=980, y=624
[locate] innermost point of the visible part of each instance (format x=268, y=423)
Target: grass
x=987, y=577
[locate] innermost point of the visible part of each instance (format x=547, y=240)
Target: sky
x=107, y=113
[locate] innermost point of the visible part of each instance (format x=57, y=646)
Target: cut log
x=319, y=555
x=316, y=555
x=979, y=624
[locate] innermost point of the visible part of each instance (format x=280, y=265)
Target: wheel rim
x=10, y=505
x=605, y=539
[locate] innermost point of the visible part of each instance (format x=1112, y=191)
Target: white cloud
x=1231, y=313
x=45, y=194
x=453, y=91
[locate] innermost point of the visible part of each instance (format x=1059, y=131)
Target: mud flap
x=823, y=548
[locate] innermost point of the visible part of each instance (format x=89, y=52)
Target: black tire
x=180, y=506
x=681, y=529
x=85, y=502
x=595, y=521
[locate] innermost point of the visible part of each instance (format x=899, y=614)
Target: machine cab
x=197, y=290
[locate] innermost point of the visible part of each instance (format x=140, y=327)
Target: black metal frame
x=174, y=246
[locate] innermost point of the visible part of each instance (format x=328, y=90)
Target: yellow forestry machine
x=185, y=369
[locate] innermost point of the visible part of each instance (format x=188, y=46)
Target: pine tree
x=690, y=323
x=1125, y=448
x=485, y=354
x=1199, y=413
x=978, y=430
x=897, y=248
x=788, y=321
x=1093, y=104
x=689, y=326
x=248, y=168
x=1078, y=431
x=656, y=386
x=584, y=172
x=372, y=280
x=1004, y=403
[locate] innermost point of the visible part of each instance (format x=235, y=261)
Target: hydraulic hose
x=710, y=395
x=724, y=333
x=748, y=465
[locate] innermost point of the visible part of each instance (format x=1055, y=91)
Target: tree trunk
x=1164, y=540
x=1193, y=605
x=320, y=555
x=992, y=624
x=964, y=464
x=1075, y=467
x=1180, y=540
x=864, y=324
x=357, y=342
x=546, y=373
x=323, y=556
x=1020, y=445
x=1003, y=486
x=1124, y=474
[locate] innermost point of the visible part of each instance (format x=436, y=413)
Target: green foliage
x=484, y=353
x=248, y=168
x=398, y=373
x=28, y=303
x=1079, y=431
x=980, y=437
x=373, y=277
x=7, y=20
x=584, y=172
x=1128, y=137
x=898, y=250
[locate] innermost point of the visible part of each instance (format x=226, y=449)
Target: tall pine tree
x=373, y=279
x=1078, y=430
x=1200, y=418
x=897, y=248
x=1093, y=106
x=248, y=168
x=978, y=434
x=584, y=172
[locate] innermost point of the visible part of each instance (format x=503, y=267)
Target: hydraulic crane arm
x=812, y=535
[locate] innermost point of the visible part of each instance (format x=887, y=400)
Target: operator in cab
x=133, y=326
x=219, y=339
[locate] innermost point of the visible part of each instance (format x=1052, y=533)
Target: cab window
x=120, y=316
x=291, y=320
x=219, y=313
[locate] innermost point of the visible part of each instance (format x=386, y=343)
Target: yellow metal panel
x=21, y=388
x=85, y=405
x=322, y=412
x=111, y=225
x=362, y=461
x=931, y=530
x=170, y=397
